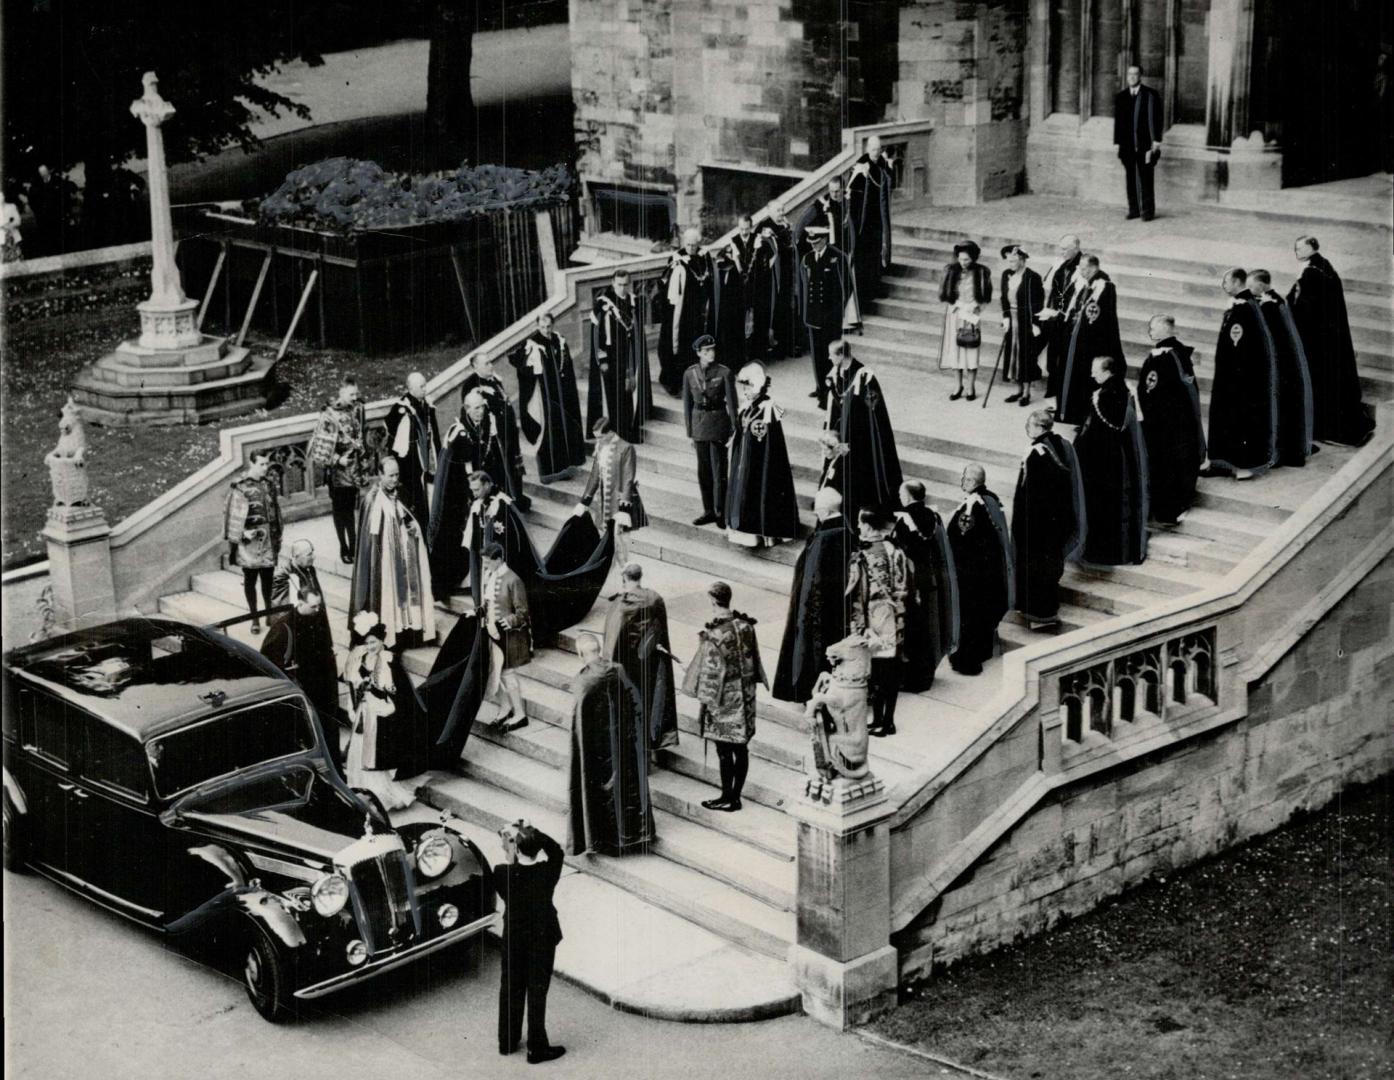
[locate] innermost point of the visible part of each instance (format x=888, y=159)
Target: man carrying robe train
x=610, y=811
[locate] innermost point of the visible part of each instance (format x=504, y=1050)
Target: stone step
x=722, y=908
x=109, y=404
x=112, y=370
x=922, y=339
x=944, y=239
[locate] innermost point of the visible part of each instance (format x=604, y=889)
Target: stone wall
x=663, y=86
x=963, y=65
x=1321, y=719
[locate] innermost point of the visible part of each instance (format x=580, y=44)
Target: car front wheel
x=14, y=838
x=266, y=976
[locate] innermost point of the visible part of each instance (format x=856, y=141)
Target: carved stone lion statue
x=837, y=711
x=67, y=462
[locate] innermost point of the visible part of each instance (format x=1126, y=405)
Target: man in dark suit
x=525, y=881
x=1137, y=132
x=709, y=412
x=824, y=284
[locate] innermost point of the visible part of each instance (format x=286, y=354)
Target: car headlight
x=329, y=894
x=434, y=855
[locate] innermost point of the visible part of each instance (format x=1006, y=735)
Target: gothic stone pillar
x=79, y=565
x=843, y=961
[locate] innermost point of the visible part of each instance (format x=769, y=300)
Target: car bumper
x=376, y=967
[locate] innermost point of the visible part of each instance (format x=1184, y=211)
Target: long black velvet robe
x=697, y=313
x=1171, y=427
x=498, y=522
x=506, y=431
x=1318, y=302
x=790, y=336
x=636, y=638
x=1024, y=339
x=1059, y=285
x=468, y=446
x=931, y=611
x=303, y=647
x=549, y=404
x=620, y=385
x=419, y=459
x=869, y=473
x=1093, y=333
x=1048, y=523
x=561, y=589
x=1244, y=397
x=1295, y=408
x=1113, y=461
x=982, y=550
x=869, y=218
x=760, y=496
x=749, y=287
x=610, y=811
x=817, y=609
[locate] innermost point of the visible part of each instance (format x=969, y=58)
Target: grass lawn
x=1270, y=962
x=131, y=466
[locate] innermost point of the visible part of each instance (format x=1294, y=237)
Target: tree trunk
x=451, y=122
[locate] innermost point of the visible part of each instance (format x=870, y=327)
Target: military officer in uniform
x=709, y=411
x=824, y=284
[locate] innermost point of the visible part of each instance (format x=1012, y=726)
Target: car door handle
x=73, y=790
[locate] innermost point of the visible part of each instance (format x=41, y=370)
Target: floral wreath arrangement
x=347, y=195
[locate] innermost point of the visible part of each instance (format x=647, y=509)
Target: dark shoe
x=973, y=396
x=715, y=804
x=1013, y=397
x=1025, y=399
x=256, y=627
x=505, y=1051
x=721, y=523
x=1148, y=217
x=1132, y=216
x=344, y=556
x=881, y=732
x=727, y=807
x=514, y=725
x=705, y=519
x=541, y=1057
x=956, y=394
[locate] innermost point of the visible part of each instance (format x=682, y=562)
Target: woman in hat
x=387, y=739
x=967, y=286
x=1023, y=297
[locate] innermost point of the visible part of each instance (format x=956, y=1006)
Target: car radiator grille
x=381, y=887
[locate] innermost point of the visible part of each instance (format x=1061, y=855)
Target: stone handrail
x=175, y=535
x=1219, y=640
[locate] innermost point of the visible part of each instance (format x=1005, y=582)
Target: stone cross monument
x=167, y=319
x=173, y=373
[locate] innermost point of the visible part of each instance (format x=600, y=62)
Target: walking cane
x=997, y=363
x=942, y=335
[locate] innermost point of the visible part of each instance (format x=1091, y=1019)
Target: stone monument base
x=844, y=794
x=138, y=383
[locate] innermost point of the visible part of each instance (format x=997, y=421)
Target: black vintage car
x=176, y=777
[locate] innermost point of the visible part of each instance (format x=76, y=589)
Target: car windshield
x=228, y=743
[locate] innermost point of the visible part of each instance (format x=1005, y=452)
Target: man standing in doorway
x=1137, y=132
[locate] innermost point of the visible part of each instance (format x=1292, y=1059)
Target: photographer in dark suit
x=525, y=882
x=1137, y=132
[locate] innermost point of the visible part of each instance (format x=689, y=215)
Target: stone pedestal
x=843, y=961
x=79, y=565
x=165, y=325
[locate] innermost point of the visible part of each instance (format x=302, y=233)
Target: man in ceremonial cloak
x=413, y=435
x=485, y=380
x=493, y=518
x=1113, y=461
x=761, y=507
x=869, y=217
x=1243, y=436
x=861, y=461
x=304, y=646
x=690, y=294
x=1169, y=403
x=931, y=610
x=1318, y=302
x=391, y=572
x=982, y=550
x=749, y=285
x=1048, y=520
x=620, y=386
x=610, y=811
x=1295, y=409
x=636, y=638
x=549, y=405
x=817, y=601
x=473, y=444
x=1092, y=319
x=724, y=676
x=789, y=335
x=1023, y=297
x=1059, y=286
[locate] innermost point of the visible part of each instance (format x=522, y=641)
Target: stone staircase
x=734, y=875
